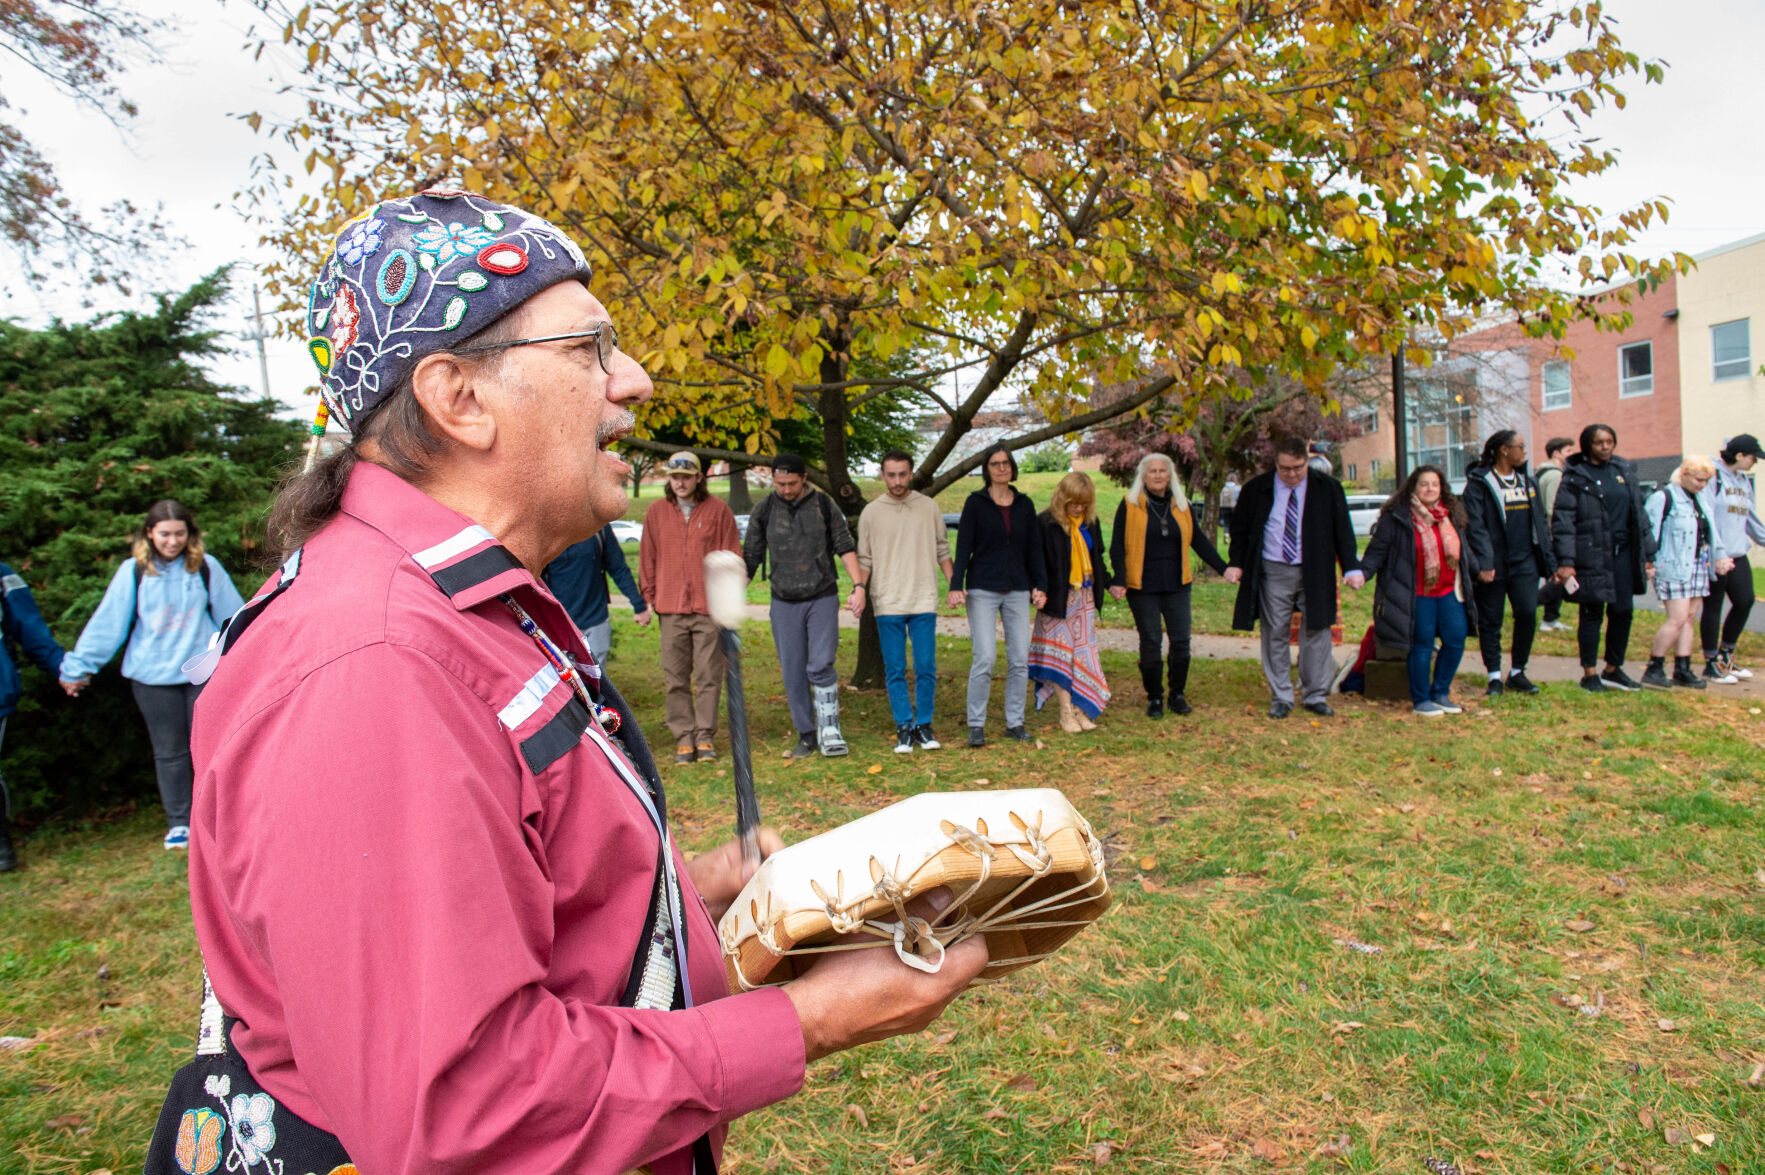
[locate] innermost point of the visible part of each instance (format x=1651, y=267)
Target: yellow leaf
x=873, y=769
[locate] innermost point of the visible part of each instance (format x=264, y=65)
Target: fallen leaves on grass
x=1578, y=925
x=1267, y=1149
x=856, y=1111
x=1336, y=1148
x=1666, y=1025
x=19, y=1043
x=1757, y=1080
x=1344, y=1027
x=1022, y=1083
x=873, y=769
x=1101, y=1153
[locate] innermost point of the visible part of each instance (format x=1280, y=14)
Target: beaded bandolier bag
x=216, y=1115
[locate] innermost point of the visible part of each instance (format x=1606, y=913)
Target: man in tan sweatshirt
x=901, y=545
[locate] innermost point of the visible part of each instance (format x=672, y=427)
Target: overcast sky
x=1697, y=139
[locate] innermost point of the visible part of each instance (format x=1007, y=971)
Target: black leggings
x=169, y=710
x=1521, y=589
x=1171, y=610
x=1622, y=610
x=1737, y=588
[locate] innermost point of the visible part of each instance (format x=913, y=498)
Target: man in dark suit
x=1290, y=531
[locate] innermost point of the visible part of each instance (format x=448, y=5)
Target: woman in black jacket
x=1065, y=656
x=999, y=575
x=1421, y=562
x=1604, y=551
x=1510, y=538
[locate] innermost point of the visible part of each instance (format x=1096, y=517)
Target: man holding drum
x=431, y=871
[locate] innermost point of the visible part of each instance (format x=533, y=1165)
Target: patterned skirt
x=1694, y=588
x=1064, y=654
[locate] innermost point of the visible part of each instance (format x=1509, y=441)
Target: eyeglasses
x=604, y=334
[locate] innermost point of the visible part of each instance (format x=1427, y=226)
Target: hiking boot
x=706, y=753
x=924, y=739
x=1155, y=708
x=904, y=740
x=1619, y=680
x=806, y=745
x=683, y=753
x=1180, y=705
x=1683, y=676
x=1495, y=688
x=1517, y=680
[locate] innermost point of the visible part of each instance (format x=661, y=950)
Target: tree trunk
x=740, y=500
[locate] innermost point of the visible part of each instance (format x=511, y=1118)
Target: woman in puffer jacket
x=1687, y=551
x=1423, y=566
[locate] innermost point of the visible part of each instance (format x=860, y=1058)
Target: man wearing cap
x=679, y=530
x=1729, y=501
x=431, y=873
x=802, y=531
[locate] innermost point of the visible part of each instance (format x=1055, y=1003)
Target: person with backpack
x=161, y=607
x=1510, y=539
x=1688, y=557
x=24, y=630
x=1729, y=501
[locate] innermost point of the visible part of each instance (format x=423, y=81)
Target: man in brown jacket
x=679, y=530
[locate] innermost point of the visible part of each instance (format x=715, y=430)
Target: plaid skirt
x=1694, y=588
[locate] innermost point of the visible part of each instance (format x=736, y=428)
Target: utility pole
x=258, y=334
x=1399, y=416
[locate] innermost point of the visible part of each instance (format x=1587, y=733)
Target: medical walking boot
x=827, y=721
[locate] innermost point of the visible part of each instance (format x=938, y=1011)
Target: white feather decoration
x=726, y=588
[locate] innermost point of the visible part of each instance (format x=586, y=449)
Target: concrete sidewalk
x=1544, y=670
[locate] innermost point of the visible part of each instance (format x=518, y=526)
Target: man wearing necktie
x=1289, y=533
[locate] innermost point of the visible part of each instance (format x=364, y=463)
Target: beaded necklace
x=564, y=663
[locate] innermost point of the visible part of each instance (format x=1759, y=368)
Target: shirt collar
x=463, y=558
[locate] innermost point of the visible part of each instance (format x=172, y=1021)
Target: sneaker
x=1428, y=710
x=806, y=746
x=1686, y=679
x=1715, y=673
x=1655, y=677
x=924, y=738
x=977, y=736
x=1155, y=708
x=1018, y=733
x=1727, y=660
x=683, y=753
x=1495, y=688
x=1553, y=626
x=707, y=753
x=1517, y=680
x=903, y=740
x=1448, y=706
x=178, y=837
x=1620, y=680
x=1593, y=685
x=1180, y=705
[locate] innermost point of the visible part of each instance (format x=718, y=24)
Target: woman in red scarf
x=1422, y=569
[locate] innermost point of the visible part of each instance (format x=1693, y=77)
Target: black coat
x=990, y=559
x=1057, y=558
x=1391, y=557
x=1326, y=541
x=1486, y=536
x=1583, y=539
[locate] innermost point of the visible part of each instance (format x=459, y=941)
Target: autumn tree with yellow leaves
x=783, y=197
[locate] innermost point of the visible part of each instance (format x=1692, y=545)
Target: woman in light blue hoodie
x=163, y=605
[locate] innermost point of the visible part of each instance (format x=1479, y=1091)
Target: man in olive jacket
x=1290, y=532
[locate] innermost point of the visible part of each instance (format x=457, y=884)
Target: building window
x=1353, y=472
x=1731, y=349
x=1374, y=466
x=1636, y=369
x=1556, y=385
x=1366, y=416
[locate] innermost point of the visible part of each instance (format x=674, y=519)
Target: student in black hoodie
x=1605, y=552
x=1000, y=576
x=1510, y=541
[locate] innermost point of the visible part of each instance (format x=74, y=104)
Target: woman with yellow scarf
x=1064, y=661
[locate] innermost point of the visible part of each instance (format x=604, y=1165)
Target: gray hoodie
x=1728, y=499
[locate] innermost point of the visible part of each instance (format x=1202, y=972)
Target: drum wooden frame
x=1024, y=869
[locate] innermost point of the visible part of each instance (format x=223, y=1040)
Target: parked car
x=627, y=531
x=1363, y=511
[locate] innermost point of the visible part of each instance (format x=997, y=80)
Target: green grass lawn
x=1567, y=894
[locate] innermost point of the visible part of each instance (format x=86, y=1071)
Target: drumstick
x=726, y=598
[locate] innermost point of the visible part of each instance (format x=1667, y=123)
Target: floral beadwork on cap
x=415, y=275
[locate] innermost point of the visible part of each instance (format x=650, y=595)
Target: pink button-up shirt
x=424, y=941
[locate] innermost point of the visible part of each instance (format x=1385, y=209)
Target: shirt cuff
x=760, y=1052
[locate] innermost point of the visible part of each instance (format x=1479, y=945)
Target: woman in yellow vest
x=1154, y=532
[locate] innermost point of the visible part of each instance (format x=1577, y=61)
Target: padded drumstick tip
x=726, y=589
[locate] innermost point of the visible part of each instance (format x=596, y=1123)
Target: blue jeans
x=1443, y=617
x=895, y=631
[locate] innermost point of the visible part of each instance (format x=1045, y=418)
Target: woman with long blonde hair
x=162, y=606
x=1149, y=547
x=1688, y=556
x=1064, y=661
